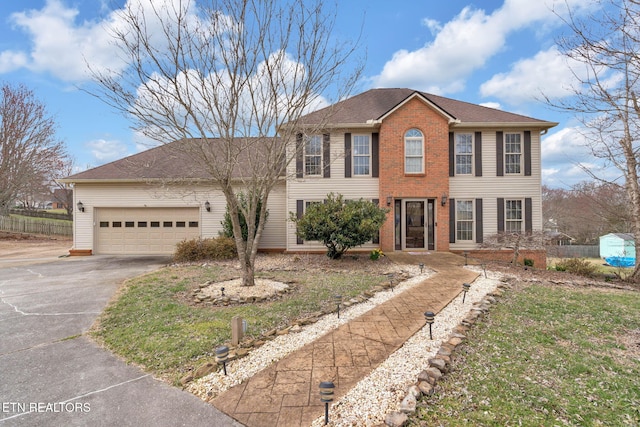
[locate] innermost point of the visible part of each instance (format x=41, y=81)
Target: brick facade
x=432, y=184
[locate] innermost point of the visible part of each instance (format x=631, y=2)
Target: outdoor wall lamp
x=326, y=396
x=443, y=199
x=207, y=206
x=389, y=198
x=80, y=206
x=429, y=317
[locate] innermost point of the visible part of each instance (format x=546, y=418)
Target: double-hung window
x=413, y=151
x=464, y=220
x=361, y=155
x=464, y=153
x=313, y=155
x=513, y=216
x=512, y=153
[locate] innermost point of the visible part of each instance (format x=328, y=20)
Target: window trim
x=471, y=220
x=307, y=140
x=520, y=220
x=471, y=155
x=520, y=154
x=354, y=138
x=407, y=138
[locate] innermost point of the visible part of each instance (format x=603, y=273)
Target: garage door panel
x=144, y=231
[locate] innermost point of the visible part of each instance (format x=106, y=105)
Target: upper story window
x=464, y=220
x=413, y=151
x=512, y=153
x=361, y=155
x=464, y=153
x=513, y=216
x=313, y=155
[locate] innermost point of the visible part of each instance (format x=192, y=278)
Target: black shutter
x=326, y=155
x=500, y=215
x=452, y=156
x=528, y=215
x=527, y=153
x=452, y=220
x=347, y=155
x=299, y=156
x=477, y=153
x=499, y=154
x=479, y=229
x=299, y=213
x=376, y=238
x=375, y=155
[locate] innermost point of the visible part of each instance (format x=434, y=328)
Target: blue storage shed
x=617, y=245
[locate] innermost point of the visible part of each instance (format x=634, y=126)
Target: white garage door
x=144, y=231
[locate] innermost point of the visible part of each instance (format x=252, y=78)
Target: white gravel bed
x=383, y=389
x=258, y=359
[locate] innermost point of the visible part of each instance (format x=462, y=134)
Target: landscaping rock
x=396, y=419
x=205, y=369
x=425, y=388
x=408, y=404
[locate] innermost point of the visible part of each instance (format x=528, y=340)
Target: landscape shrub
x=579, y=266
x=205, y=249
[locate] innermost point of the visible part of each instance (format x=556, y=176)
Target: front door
x=417, y=227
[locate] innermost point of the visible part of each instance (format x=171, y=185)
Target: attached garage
x=148, y=231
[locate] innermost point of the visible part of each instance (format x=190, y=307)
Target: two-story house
x=450, y=173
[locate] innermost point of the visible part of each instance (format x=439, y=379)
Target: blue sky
x=499, y=53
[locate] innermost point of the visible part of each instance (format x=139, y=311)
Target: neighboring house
x=617, y=245
x=450, y=173
x=61, y=198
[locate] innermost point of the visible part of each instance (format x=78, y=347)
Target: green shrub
x=205, y=249
x=227, y=225
x=579, y=266
x=340, y=224
x=528, y=262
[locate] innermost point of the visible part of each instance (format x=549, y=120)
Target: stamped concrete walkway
x=287, y=393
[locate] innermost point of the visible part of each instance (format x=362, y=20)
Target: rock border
x=440, y=365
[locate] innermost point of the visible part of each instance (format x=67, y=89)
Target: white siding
x=143, y=195
x=317, y=188
x=490, y=187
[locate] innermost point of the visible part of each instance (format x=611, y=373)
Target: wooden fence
x=33, y=226
x=574, y=251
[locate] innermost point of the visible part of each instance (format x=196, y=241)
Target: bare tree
x=224, y=77
x=515, y=242
x=29, y=150
x=604, y=49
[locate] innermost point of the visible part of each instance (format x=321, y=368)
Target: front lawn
x=153, y=322
x=546, y=356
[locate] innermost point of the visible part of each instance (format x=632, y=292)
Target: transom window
x=413, y=151
x=512, y=153
x=361, y=155
x=513, y=216
x=464, y=220
x=464, y=153
x=313, y=155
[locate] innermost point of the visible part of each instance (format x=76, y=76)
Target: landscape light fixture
x=222, y=291
x=338, y=300
x=429, y=317
x=421, y=265
x=207, y=206
x=80, y=206
x=443, y=199
x=390, y=276
x=326, y=396
x=465, y=288
x=222, y=353
x=466, y=254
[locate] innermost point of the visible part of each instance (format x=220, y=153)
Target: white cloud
x=434, y=26
x=63, y=46
x=11, y=61
x=464, y=45
x=105, y=151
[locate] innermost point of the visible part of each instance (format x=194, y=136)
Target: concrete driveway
x=53, y=375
